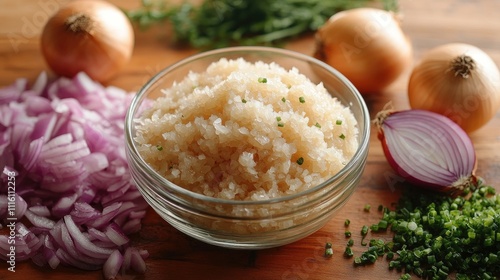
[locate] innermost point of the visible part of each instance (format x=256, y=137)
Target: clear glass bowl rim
x=142, y=93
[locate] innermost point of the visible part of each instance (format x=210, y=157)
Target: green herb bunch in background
x=222, y=23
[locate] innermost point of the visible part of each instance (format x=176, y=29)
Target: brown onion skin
x=100, y=52
x=367, y=46
x=470, y=102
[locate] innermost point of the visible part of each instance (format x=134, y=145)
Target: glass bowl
x=249, y=224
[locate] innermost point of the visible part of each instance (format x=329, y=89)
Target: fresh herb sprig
x=222, y=23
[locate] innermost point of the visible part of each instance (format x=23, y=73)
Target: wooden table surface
x=428, y=23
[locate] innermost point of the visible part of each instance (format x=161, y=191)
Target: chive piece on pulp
x=283, y=99
x=338, y=122
x=262, y=80
x=300, y=161
x=342, y=136
x=278, y=119
x=280, y=124
x=159, y=147
x=317, y=125
x=244, y=100
x=302, y=100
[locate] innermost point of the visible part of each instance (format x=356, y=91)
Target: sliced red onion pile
x=62, y=149
x=428, y=149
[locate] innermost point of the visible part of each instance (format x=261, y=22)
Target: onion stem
x=78, y=23
x=462, y=65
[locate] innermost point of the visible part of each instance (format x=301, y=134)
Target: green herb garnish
x=328, y=250
x=244, y=100
x=350, y=243
x=302, y=99
x=347, y=222
x=348, y=252
x=159, y=147
x=317, y=125
x=367, y=208
x=278, y=119
x=338, y=122
x=300, y=161
x=342, y=136
x=262, y=80
x=280, y=124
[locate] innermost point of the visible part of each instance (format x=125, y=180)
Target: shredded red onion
x=61, y=143
x=428, y=149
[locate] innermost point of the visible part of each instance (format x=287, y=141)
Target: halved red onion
x=427, y=149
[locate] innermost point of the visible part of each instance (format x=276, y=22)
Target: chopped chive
x=244, y=100
x=278, y=119
x=347, y=222
x=159, y=147
x=328, y=249
x=347, y=234
x=364, y=230
x=262, y=80
x=302, y=100
x=283, y=99
x=317, y=125
x=300, y=161
x=348, y=252
x=342, y=136
x=338, y=122
x=350, y=243
x=367, y=208
x=280, y=124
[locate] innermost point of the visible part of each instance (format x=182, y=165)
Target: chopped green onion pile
x=436, y=236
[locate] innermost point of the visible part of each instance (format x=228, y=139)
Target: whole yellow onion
x=459, y=81
x=90, y=36
x=366, y=45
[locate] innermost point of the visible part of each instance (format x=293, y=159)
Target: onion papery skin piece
x=428, y=150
